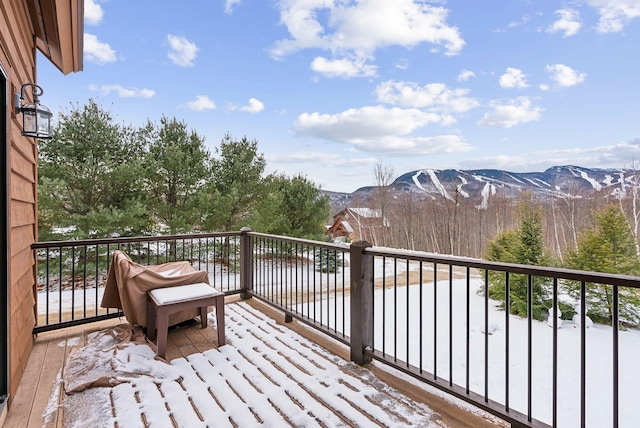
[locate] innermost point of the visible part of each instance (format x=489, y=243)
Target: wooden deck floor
x=37, y=402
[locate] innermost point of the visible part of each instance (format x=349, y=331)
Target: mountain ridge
x=482, y=185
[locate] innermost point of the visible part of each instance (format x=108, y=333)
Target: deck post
x=246, y=263
x=361, y=303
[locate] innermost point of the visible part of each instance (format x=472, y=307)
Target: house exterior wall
x=357, y=224
x=17, y=56
x=55, y=28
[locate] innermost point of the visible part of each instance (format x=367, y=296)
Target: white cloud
x=342, y=68
x=92, y=12
x=123, y=92
x=322, y=158
x=619, y=155
x=201, y=103
x=568, y=22
x=341, y=170
x=504, y=162
x=615, y=14
x=513, y=78
x=254, y=106
x=607, y=156
x=564, y=76
x=523, y=21
x=363, y=123
x=513, y=24
x=622, y=154
x=182, y=52
x=381, y=130
x=512, y=113
x=305, y=157
x=96, y=51
x=355, y=30
x=402, y=64
x=229, y=4
x=465, y=75
x=435, y=97
x=414, y=146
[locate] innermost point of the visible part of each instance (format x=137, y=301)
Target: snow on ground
x=487, y=190
x=401, y=314
x=68, y=300
x=594, y=183
x=265, y=373
x=436, y=182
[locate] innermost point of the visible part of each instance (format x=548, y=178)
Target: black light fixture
x=36, y=118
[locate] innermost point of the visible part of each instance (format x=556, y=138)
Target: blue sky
x=330, y=88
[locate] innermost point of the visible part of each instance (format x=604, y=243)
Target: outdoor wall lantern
x=36, y=118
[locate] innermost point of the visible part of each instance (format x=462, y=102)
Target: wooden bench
x=162, y=302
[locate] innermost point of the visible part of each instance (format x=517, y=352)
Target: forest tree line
x=458, y=226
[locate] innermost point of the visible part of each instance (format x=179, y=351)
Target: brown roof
x=59, y=29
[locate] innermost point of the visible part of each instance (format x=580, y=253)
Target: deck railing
x=426, y=315
x=308, y=280
x=72, y=274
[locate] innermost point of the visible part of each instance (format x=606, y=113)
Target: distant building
x=358, y=224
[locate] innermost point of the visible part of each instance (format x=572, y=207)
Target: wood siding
x=17, y=45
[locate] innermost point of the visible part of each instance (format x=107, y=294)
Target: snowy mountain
x=481, y=185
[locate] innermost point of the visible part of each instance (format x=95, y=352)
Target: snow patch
x=416, y=180
x=532, y=182
x=52, y=404
x=577, y=172
x=544, y=183
x=487, y=190
x=72, y=341
x=515, y=179
x=436, y=182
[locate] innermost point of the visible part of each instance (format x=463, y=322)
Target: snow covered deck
x=269, y=374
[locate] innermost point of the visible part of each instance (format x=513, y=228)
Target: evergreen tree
x=504, y=247
x=522, y=246
x=608, y=247
x=236, y=185
x=292, y=207
x=90, y=176
x=501, y=249
x=327, y=260
x=176, y=169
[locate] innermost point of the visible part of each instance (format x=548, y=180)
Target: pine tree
x=236, y=184
x=522, y=246
x=608, y=247
x=501, y=249
x=176, y=168
x=327, y=260
x=90, y=176
x=292, y=207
